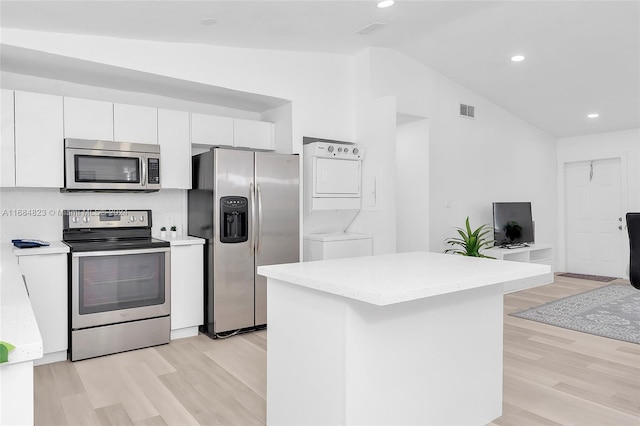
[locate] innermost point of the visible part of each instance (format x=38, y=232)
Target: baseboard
x=181, y=333
x=51, y=358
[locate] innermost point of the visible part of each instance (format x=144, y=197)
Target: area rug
x=611, y=311
x=588, y=277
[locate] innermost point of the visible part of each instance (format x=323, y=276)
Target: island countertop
x=395, y=278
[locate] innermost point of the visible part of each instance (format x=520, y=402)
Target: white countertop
x=181, y=240
x=55, y=247
x=394, y=278
x=18, y=324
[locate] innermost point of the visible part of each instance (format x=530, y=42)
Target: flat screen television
x=512, y=224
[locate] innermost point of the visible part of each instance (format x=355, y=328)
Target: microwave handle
x=143, y=163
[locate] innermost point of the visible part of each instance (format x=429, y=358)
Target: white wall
x=412, y=194
x=35, y=212
x=624, y=145
x=496, y=157
x=319, y=85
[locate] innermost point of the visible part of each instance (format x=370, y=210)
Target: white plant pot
x=174, y=234
x=163, y=234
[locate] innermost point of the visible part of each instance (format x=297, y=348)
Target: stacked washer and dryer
x=332, y=199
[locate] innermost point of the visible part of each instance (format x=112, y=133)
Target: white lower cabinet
x=45, y=277
x=187, y=286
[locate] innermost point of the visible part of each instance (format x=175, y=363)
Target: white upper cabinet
x=175, y=149
x=211, y=130
x=7, y=146
x=135, y=124
x=88, y=119
x=253, y=134
x=39, y=140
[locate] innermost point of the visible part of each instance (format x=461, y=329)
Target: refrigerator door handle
x=259, y=220
x=253, y=218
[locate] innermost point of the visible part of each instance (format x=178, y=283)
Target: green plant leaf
x=5, y=348
x=471, y=242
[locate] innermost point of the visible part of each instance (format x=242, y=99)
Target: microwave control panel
x=154, y=171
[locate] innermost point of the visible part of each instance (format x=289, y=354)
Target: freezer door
x=233, y=262
x=278, y=217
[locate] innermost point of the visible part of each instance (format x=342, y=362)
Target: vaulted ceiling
x=581, y=56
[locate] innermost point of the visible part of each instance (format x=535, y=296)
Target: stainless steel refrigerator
x=246, y=205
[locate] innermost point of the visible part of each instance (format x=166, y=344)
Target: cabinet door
x=135, y=124
x=46, y=279
x=7, y=147
x=187, y=286
x=88, y=119
x=253, y=134
x=211, y=130
x=175, y=149
x=39, y=140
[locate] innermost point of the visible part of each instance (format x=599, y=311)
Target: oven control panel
x=81, y=219
x=334, y=150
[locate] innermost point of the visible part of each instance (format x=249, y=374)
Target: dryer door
x=335, y=177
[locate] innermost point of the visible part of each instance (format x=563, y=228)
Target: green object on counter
x=5, y=348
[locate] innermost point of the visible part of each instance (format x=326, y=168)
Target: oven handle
x=120, y=252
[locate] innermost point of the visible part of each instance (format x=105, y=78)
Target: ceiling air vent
x=372, y=27
x=467, y=111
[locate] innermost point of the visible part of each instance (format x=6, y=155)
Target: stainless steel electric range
x=119, y=282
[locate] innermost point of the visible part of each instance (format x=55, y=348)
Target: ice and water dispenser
x=234, y=219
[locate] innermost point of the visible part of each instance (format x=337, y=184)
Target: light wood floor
x=552, y=376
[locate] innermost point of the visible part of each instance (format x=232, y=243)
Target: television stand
x=533, y=253
x=514, y=245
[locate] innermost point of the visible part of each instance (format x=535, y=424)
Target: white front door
x=593, y=212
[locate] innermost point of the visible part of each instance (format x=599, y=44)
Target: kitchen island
x=411, y=338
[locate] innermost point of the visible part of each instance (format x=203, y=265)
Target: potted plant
x=470, y=242
x=174, y=231
x=163, y=231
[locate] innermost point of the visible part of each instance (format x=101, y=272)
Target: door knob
x=619, y=219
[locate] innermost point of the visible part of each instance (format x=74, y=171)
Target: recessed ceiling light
x=517, y=58
x=385, y=3
x=593, y=115
x=209, y=21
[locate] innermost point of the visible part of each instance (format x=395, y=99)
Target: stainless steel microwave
x=92, y=165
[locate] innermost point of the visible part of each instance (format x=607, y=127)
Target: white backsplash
x=37, y=212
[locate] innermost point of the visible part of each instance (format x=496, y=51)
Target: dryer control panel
x=334, y=150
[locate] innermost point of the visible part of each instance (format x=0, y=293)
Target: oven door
x=333, y=177
x=111, y=287
x=91, y=170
